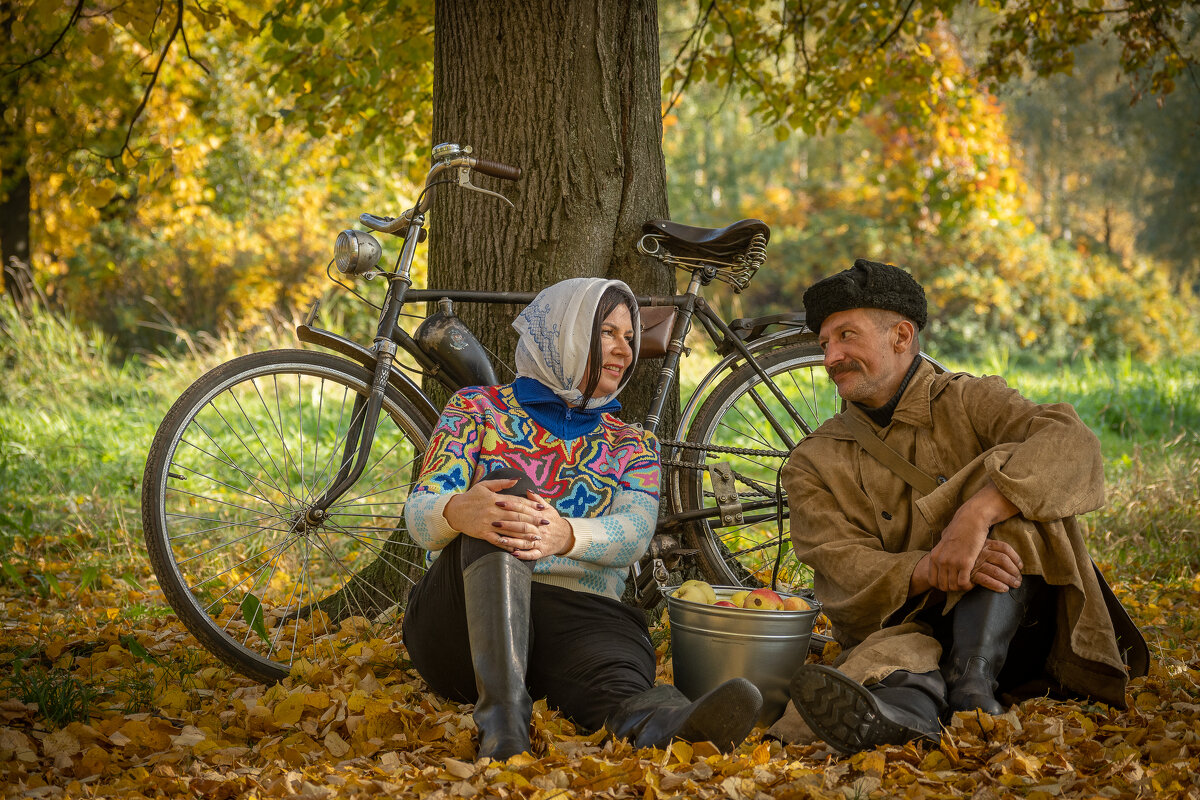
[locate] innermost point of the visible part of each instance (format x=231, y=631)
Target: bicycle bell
x=356, y=252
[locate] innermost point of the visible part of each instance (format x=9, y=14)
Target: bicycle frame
x=690, y=304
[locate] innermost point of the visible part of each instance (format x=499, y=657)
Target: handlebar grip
x=497, y=170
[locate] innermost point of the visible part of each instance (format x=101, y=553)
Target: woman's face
x=616, y=350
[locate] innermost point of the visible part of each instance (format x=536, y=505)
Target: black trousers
x=588, y=653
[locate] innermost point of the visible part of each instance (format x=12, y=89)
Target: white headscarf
x=556, y=334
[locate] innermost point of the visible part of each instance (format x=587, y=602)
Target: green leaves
x=252, y=613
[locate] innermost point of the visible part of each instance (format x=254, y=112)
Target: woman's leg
x=593, y=659
x=467, y=630
x=435, y=628
x=589, y=653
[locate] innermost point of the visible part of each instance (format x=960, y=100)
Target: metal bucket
x=711, y=644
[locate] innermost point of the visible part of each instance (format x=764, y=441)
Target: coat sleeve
x=449, y=463
x=859, y=583
x=619, y=538
x=1042, y=457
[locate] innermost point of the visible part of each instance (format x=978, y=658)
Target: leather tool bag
x=657, y=324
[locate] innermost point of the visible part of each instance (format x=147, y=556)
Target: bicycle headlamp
x=356, y=252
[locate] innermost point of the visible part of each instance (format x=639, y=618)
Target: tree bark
x=14, y=177
x=569, y=92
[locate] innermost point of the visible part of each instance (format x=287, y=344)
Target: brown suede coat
x=863, y=529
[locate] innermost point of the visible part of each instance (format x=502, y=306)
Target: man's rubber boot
x=851, y=718
x=984, y=625
x=496, y=591
x=724, y=716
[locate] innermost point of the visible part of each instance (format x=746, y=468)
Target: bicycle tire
x=737, y=415
x=228, y=478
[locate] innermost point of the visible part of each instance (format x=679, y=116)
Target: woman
x=539, y=499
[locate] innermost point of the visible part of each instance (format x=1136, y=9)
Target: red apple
x=763, y=600
x=724, y=604
x=796, y=604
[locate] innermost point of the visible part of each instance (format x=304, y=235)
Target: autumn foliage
x=100, y=703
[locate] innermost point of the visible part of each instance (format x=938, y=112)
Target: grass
x=75, y=425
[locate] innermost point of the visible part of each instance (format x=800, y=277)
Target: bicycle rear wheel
x=743, y=425
x=236, y=463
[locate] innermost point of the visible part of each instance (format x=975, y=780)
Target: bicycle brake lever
x=464, y=180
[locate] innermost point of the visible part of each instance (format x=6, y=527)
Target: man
x=976, y=583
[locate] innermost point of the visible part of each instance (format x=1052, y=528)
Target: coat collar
x=915, y=407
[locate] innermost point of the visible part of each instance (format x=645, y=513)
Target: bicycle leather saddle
x=730, y=239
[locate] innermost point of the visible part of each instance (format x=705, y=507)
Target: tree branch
x=697, y=29
x=75, y=14
x=737, y=64
x=162, y=57
x=903, y=17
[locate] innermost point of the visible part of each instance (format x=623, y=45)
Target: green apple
x=697, y=592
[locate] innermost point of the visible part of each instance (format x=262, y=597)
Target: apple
x=724, y=604
x=739, y=598
x=795, y=604
x=697, y=592
x=763, y=599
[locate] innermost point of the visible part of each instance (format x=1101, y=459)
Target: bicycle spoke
x=222, y=483
x=226, y=571
x=235, y=478
x=251, y=523
x=228, y=460
x=254, y=429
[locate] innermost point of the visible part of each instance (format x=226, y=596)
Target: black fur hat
x=868, y=284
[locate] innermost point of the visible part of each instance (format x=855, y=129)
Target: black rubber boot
x=725, y=716
x=984, y=625
x=851, y=717
x=496, y=591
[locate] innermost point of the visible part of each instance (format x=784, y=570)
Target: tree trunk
x=568, y=92
x=14, y=177
x=14, y=226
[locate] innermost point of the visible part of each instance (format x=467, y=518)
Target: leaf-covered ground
x=106, y=695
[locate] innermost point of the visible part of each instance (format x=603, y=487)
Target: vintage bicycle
x=274, y=489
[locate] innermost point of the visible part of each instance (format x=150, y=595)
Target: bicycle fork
x=364, y=416
x=365, y=412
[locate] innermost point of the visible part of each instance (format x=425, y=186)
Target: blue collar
x=552, y=413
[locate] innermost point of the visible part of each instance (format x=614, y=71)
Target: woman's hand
x=527, y=528
x=556, y=535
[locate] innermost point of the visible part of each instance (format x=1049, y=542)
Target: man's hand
x=998, y=567
x=965, y=557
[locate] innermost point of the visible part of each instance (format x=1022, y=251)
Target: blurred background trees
x=187, y=166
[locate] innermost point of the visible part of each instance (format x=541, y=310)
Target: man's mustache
x=838, y=369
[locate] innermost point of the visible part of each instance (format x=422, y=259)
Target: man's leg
x=984, y=625
x=852, y=717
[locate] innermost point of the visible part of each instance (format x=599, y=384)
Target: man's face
x=866, y=354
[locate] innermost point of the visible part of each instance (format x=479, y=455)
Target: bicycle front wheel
x=744, y=426
x=238, y=461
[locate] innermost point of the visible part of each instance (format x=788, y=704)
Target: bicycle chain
x=716, y=448
x=692, y=465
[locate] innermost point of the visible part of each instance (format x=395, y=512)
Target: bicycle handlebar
x=497, y=170
x=452, y=157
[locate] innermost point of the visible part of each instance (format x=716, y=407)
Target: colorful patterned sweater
x=606, y=483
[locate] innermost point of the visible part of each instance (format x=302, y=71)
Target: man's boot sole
x=842, y=712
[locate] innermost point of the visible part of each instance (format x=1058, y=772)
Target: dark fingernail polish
x=500, y=503
x=541, y=507
x=496, y=525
